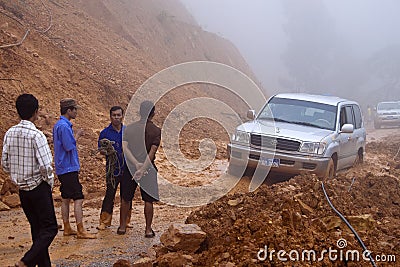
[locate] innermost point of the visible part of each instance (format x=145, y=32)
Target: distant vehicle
x=310, y=133
x=387, y=114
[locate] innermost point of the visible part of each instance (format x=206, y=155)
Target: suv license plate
x=270, y=162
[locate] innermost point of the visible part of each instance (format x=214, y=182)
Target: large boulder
x=143, y=262
x=8, y=188
x=12, y=200
x=3, y=207
x=122, y=263
x=174, y=259
x=183, y=237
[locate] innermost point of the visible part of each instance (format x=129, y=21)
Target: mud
x=290, y=215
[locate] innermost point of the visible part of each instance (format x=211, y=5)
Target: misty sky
x=359, y=28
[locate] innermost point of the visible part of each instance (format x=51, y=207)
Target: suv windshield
x=388, y=105
x=300, y=112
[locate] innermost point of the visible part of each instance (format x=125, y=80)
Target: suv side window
x=346, y=116
x=358, y=117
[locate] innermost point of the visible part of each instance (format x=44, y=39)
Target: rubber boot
x=128, y=219
x=105, y=220
x=82, y=234
x=68, y=230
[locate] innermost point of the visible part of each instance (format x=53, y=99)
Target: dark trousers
x=108, y=201
x=39, y=209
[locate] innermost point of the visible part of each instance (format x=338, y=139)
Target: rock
x=291, y=219
x=143, y=262
x=185, y=237
x=9, y=186
x=48, y=134
x=359, y=223
x=12, y=200
x=232, y=215
x=122, y=263
x=362, y=222
x=234, y=202
x=226, y=255
x=288, y=189
x=173, y=259
x=4, y=25
x=305, y=209
x=3, y=207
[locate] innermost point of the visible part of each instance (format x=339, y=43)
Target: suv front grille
x=272, y=143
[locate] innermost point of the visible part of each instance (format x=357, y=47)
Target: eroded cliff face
x=100, y=52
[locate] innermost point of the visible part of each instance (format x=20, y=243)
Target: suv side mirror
x=251, y=114
x=347, y=128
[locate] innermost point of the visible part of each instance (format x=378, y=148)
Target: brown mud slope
x=295, y=215
x=100, y=52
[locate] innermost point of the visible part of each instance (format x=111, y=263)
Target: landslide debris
x=295, y=215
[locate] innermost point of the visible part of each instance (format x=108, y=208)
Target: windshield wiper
x=294, y=122
x=307, y=124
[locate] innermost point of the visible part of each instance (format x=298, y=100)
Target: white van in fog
x=310, y=133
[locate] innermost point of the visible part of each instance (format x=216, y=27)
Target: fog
x=349, y=48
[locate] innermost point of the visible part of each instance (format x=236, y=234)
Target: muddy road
x=109, y=247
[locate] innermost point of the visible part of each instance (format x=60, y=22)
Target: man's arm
x=151, y=156
x=130, y=156
x=79, y=132
x=66, y=137
x=101, y=136
x=45, y=158
x=4, y=157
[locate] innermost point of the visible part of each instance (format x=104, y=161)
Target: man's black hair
x=114, y=108
x=26, y=105
x=146, y=109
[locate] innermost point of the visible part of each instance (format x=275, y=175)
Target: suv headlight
x=313, y=147
x=241, y=137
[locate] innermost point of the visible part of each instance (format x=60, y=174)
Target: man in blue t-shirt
x=110, y=145
x=67, y=167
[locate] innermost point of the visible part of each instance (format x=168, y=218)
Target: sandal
x=151, y=235
x=121, y=232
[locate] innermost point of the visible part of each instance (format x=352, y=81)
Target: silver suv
x=295, y=133
x=387, y=114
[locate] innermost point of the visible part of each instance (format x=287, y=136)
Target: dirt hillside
x=100, y=52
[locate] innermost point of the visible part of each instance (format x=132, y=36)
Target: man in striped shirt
x=27, y=157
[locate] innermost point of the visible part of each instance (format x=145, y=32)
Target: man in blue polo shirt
x=67, y=167
x=110, y=145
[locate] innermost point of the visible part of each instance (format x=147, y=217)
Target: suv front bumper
x=289, y=163
x=388, y=120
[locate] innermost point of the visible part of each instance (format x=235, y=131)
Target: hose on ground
x=348, y=225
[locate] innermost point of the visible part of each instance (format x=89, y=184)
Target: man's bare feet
x=20, y=264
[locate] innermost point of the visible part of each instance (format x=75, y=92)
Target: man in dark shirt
x=110, y=145
x=140, y=143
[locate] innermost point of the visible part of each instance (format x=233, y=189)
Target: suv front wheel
x=330, y=170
